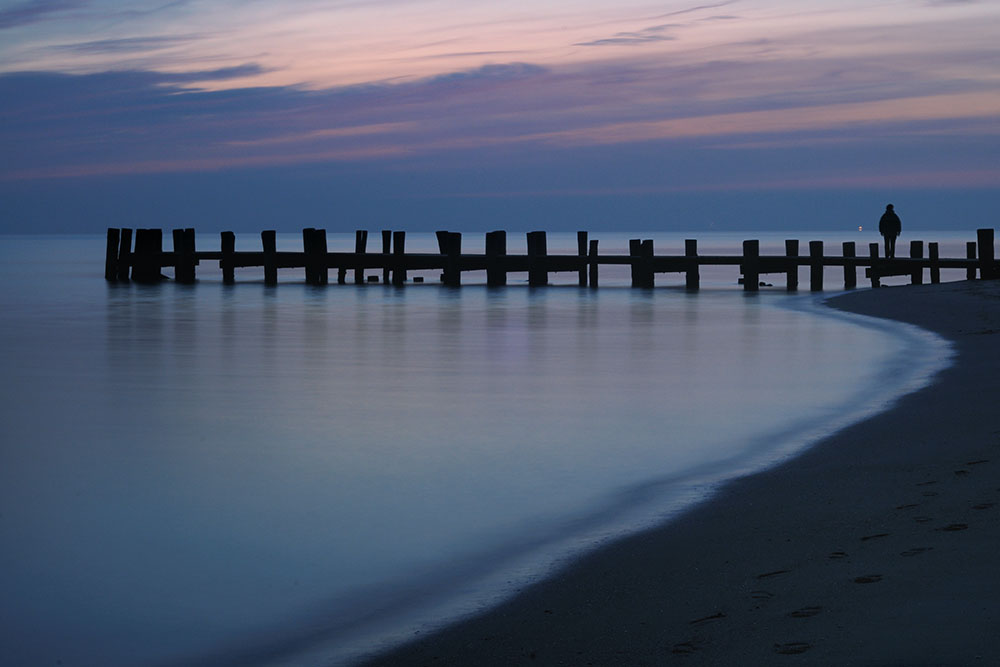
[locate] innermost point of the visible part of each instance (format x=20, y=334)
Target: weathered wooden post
x=970, y=254
x=496, y=249
x=792, y=273
x=593, y=262
x=148, y=250
x=917, y=252
x=987, y=267
x=648, y=275
x=450, y=245
x=308, y=251
x=184, y=261
x=228, y=245
x=873, y=265
x=581, y=252
x=322, y=260
x=850, y=268
x=933, y=254
x=386, y=249
x=816, y=266
x=360, y=248
x=692, y=278
x=111, y=255
x=125, y=255
x=399, y=258
x=751, y=266
x=537, y=252
x=269, y=243
x=634, y=253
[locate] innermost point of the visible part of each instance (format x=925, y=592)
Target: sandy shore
x=881, y=545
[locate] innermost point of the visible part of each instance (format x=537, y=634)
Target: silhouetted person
x=889, y=226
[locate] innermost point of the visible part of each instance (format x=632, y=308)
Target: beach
x=879, y=545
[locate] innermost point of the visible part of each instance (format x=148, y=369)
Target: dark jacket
x=889, y=224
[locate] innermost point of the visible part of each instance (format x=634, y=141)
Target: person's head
x=888, y=207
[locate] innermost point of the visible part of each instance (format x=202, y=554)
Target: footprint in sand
x=838, y=554
x=953, y=527
x=805, y=612
x=792, y=648
x=708, y=619
x=874, y=537
x=915, y=551
x=684, y=648
x=868, y=579
x=761, y=595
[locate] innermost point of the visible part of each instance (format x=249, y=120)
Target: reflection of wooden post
x=850, y=270
x=398, y=252
x=792, y=274
x=269, y=243
x=592, y=260
x=935, y=264
x=816, y=266
x=148, y=248
x=537, y=251
x=581, y=251
x=873, y=268
x=386, y=248
x=751, y=266
x=917, y=252
x=360, y=248
x=987, y=270
x=226, y=263
x=125, y=255
x=970, y=254
x=111, y=255
x=693, y=276
x=496, y=248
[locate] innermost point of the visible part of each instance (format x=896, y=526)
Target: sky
x=474, y=115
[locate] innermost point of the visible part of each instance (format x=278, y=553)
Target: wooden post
x=537, y=252
x=917, y=252
x=228, y=244
x=592, y=260
x=792, y=273
x=386, y=249
x=693, y=274
x=496, y=247
x=850, y=269
x=816, y=266
x=646, y=263
x=581, y=251
x=751, y=266
x=148, y=248
x=125, y=255
x=322, y=260
x=398, y=251
x=308, y=237
x=987, y=268
x=269, y=243
x=450, y=245
x=970, y=254
x=360, y=248
x=933, y=253
x=111, y=255
x=184, y=261
x=634, y=252
x=873, y=267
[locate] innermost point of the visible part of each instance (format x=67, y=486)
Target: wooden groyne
x=144, y=260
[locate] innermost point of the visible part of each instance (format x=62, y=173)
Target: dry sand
x=880, y=545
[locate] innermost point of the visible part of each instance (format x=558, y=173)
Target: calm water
x=296, y=475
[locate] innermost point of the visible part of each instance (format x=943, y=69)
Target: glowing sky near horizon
x=92, y=89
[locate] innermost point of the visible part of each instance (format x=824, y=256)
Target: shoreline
x=873, y=546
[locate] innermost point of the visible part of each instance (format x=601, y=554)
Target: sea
x=297, y=475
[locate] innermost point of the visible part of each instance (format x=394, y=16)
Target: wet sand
x=880, y=545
